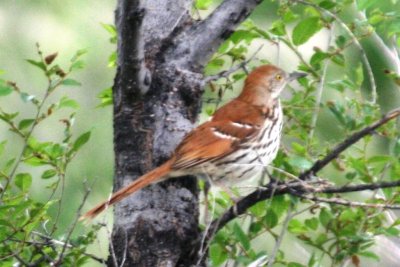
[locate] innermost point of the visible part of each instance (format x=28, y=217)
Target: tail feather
x=153, y=176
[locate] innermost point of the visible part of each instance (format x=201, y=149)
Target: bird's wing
x=218, y=137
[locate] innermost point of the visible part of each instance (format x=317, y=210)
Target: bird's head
x=266, y=82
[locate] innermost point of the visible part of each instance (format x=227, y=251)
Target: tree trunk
x=157, y=95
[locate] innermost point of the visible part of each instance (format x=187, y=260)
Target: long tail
x=153, y=176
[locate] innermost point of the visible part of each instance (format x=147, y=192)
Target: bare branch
x=345, y=202
x=200, y=41
x=320, y=88
x=73, y=225
x=293, y=188
x=289, y=216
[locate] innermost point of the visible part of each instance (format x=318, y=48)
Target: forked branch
x=302, y=188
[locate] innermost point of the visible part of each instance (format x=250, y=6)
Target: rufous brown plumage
x=239, y=140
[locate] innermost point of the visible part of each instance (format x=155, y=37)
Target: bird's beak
x=295, y=75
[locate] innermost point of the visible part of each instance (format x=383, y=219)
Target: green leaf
x=203, y=4
x=311, y=223
x=79, y=64
x=243, y=35
x=27, y=97
x=339, y=59
x=328, y=4
x=312, y=261
x=8, y=165
x=38, y=64
x=341, y=41
x=380, y=159
x=325, y=217
x=280, y=205
x=364, y=4
x=298, y=148
x=369, y=254
x=359, y=75
x=49, y=173
x=305, y=29
x=296, y=227
x=105, y=97
x=278, y=28
x=112, y=60
x=317, y=58
x=8, y=116
x=80, y=141
x=300, y=162
x=215, y=63
x=238, y=76
x=23, y=181
x=217, y=254
x=25, y=123
x=34, y=161
x=2, y=146
x=321, y=239
x=5, y=88
x=289, y=16
x=110, y=28
x=66, y=102
x=71, y=82
x=78, y=54
x=271, y=219
x=295, y=264
x=258, y=209
x=223, y=48
x=241, y=236
x=392, y=231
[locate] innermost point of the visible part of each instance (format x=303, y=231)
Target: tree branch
x=319, y=164
x=296, y=187
x=199, y=42
x=345, y=202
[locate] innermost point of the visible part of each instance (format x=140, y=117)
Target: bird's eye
x=278, y=77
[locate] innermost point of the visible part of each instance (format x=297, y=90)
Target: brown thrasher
x=239, y=140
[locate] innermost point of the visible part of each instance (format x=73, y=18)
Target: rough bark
x=157, y=96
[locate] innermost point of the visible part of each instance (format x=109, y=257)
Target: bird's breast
x=252, y=156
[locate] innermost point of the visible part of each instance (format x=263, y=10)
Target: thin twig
x=345, y=202
x=61, y=177
x=318, y=95
x=72, y=227
x=112, y=250
x=290, y=45
x=271, y=258
x=203, y=249
x=48, y=239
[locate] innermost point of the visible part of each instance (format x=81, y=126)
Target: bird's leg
x=272, y=180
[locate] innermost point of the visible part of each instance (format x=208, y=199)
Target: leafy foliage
x=105, y=96
x=27, y=231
